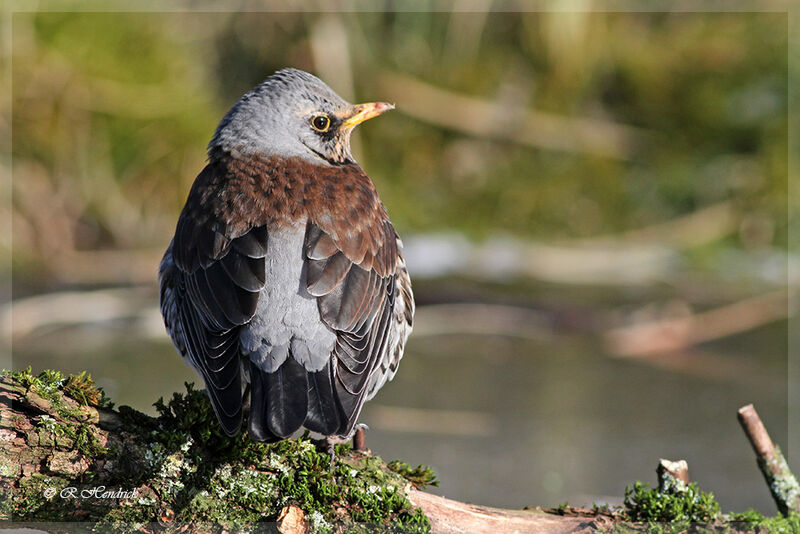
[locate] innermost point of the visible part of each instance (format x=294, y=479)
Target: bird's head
x=293, y=114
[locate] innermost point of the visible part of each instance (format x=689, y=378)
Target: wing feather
x=247, y=273
x=211, y=277
x=323, y=248
x=324, y=275
x=355, y=286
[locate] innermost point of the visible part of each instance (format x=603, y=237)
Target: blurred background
x=594, y=207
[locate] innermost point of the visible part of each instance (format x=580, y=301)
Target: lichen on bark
x=67, y=455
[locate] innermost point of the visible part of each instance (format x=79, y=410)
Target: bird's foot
x=356, y=435
x=331, y=452
x=330, y=445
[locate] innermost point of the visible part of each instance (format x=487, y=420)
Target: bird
x=284, y=286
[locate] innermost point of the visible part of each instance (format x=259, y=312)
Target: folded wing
x=211, y=277
x=357, y=289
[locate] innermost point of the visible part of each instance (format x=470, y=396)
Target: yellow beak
x=363, y=112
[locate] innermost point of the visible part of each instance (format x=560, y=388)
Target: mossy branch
x=67, y=455
x=782, y=483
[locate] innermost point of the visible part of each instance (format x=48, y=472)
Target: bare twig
x=702, y=226
x=24, y=317
x=483, y=118
x=672, y=474
x=116, y=266
x=359, y=440
x=782, y=483
x=638, y=257
x=482, y=319
x=567, y=263
x=676, y=333
x=331, y=52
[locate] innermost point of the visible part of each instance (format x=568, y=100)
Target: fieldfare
x=285, y=283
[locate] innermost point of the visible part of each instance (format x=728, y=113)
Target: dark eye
x=320, y=123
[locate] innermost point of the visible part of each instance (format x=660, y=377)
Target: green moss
x=87, y=443
x=51, y=378
x=8, y=468
x=82, y=388
x=71, y=435
x=185, y=468
x=247, y=482
x=49, y=383
x=69, y=426
x=421, y=476
x=685, y=508
x=753, y=521
x=47, y=379
x=680, y=504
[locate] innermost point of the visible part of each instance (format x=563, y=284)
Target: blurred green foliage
x=112, y=112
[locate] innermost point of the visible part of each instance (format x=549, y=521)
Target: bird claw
x=357, y=435
x=332, y=452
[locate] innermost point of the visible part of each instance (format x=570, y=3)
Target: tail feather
x=278, y=401
x=323, y=411
x=257, y=424
x=288, y=405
